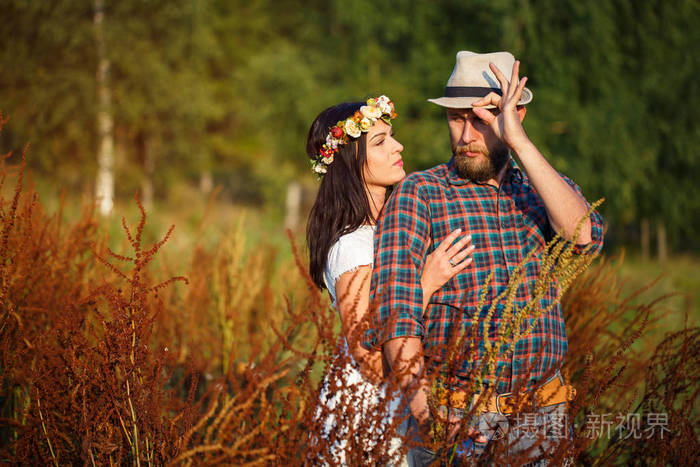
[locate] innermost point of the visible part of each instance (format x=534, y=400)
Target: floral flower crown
x=379, y=108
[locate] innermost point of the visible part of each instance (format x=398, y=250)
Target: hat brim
x=467, y=102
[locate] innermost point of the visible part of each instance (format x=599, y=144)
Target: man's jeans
x=549, y=424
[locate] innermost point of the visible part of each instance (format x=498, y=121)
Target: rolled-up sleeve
x=597, y=233
x=597, y=226
x=400, y=243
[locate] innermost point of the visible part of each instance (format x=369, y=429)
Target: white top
x=351, y=251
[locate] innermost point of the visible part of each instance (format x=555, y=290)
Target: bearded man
x=509, y=210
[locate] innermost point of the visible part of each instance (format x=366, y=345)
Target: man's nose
x=468, y=132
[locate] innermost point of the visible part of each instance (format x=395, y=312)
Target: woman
x=354, y=153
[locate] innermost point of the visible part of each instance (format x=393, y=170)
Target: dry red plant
x=107, y=359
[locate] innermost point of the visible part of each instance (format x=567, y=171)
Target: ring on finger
x=451, y=263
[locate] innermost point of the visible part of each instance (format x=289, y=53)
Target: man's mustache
x=462, y=149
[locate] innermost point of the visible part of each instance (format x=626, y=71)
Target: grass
x=206, y=220
x=680, y=275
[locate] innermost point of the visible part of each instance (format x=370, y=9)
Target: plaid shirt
x=505, y=224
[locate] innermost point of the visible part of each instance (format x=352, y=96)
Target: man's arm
x=405, y=358
x=564, y=205
x=399, y=293
x=401, y=240
x=400, y=244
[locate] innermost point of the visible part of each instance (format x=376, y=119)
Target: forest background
x=207, y=103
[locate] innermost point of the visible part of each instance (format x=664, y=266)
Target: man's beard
x=480, y=168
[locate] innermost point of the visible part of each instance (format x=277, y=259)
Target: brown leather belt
x=552, y=392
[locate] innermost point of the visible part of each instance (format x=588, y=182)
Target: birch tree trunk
x=293, y=206
x=206, y=181
x=104, y=184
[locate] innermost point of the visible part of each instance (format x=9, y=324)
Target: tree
x=104, y=184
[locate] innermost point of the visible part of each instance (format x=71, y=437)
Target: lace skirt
x=358, y=418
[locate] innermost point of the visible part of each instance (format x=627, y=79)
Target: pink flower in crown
x=331, y=142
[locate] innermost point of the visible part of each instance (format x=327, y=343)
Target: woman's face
x=384, y=166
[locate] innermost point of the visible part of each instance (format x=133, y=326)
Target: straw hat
x=472, y=79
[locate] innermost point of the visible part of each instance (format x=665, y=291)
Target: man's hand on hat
x=507, y=125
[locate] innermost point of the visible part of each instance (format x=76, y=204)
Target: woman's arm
x=352, y=292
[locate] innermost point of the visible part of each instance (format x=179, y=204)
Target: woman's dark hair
x=341, y=204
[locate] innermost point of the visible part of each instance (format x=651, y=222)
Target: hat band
x=470, y=91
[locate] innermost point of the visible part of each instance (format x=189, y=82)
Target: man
x=509, y=210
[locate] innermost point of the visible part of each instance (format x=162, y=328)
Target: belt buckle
x=498, y=403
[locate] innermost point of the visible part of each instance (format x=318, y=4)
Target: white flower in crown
x=327, y=160
x=352, y=129
x=365, y=124
x=319, y=168
x=383, y=105
x=370, y=111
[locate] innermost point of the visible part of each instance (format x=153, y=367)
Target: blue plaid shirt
x=505, y=223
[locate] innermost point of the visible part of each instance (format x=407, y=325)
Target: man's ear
x=522, y=110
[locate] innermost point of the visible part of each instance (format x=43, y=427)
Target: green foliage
x=47, y=80
x=615, y=86
x=230, y=88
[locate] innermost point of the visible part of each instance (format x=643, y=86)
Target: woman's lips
x=399, y=163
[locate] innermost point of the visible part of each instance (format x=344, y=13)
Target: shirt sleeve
x=402, y=238
x=597, y=225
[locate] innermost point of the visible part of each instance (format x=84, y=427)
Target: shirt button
x=505, y=224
